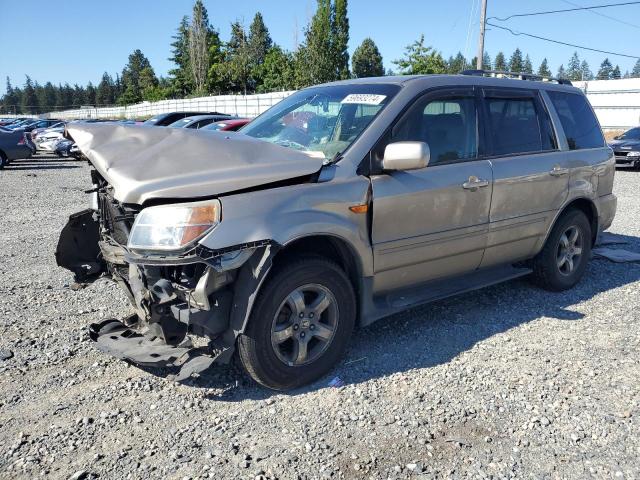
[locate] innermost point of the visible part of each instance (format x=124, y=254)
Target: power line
x=604, y=15
x=564, y=10
x=560, y=42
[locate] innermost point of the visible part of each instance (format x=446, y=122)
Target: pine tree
x=515, y=62
x=237, y=66
x=500, y=62
x=635, y=73
x=543, y=70
x=615, y=73
x=180, y=77
x=49, y=103
x=605, y=71
x=587, y=74
x=259, y=45
x=29, y=98
x=527, y=67
x=131, y=78
x=199, y=32
x=561, y=72
x=421, y=59
x=367, y=61
x=574, y=72
x=12, y=99
x=105, y=94
x=486, y=62
x=78, y=96
x=457, y=64
x=340, y=39
x=314, y=60
x=90, y=94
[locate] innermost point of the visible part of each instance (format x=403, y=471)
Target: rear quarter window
x=578, y=121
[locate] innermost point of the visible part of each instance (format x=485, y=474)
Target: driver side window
x=447, y=124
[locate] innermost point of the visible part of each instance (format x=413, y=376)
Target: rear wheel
x=564, y=257
x=3, y=161
x=300, y=324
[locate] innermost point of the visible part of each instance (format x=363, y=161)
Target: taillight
x=23, y=139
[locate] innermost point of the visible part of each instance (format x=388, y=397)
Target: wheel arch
x=585, y=205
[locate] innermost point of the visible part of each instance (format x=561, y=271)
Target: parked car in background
x=33, y=124
x=342, y=204
x=198, y=121
x=232, y=125
x=626, y=148
x=14, y=145
x=37, y=131
x=46, y=140
x=165, y=119
x=12, y=121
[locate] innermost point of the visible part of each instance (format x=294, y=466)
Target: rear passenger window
x=518, y=126
x=578, y=121
x=448, y=126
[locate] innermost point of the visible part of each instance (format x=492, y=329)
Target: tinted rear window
x=578, y=121
x=516, y=126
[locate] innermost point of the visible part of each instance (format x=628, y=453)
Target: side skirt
x=380, y=306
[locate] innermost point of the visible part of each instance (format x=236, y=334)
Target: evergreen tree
x=180, y=76
x=367, y=61
x=12, y=99
x=90, y=94
x=29, y=98
x=49, y=103
x=574, y=71
x=615, y=73
x=486, y=61
x=421, y=59
x=340, y=39
x=105, y=94
x=500, y=62
x=259, y=45
x=515, y=62
x=527, y=67
x=457, y=64
x=587, y=74
x=131, y=78
x=605, y=71
x=78, y=96
x=314, y=60
x=543, y=70
x=277, y=71
x=236, y=69
x=561, y=72
x=200, y=32
x=635, y=73
x=150, y=86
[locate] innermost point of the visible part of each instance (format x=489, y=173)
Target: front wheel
x=564, y=257
x=300, y=324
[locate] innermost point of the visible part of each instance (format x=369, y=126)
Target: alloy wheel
x=304, y=325
x=569, y=250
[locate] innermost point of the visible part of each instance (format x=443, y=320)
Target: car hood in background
x=144, y=163
x=625, y=144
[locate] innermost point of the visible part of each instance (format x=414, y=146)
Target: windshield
x=633, y=134
x=322, y=121
x=180, y=123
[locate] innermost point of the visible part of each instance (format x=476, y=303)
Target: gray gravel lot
x=507, y=382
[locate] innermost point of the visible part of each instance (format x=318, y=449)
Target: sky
x=75, y=41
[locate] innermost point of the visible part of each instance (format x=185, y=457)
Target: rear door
x=432, y=222
x=531, y=174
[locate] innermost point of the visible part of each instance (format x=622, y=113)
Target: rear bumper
x=607, y=206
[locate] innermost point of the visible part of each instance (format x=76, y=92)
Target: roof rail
x=519, y=75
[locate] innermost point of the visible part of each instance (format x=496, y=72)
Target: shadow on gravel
x=435, y=333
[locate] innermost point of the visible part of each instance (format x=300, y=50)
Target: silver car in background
x=342, y=204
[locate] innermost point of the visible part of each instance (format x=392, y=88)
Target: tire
x=267, y=349
x=558, y=266
x=3, y=161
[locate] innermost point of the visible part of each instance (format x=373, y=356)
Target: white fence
x=240, y=105
x=616, y=103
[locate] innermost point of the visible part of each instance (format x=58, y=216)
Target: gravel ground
x=507, y=382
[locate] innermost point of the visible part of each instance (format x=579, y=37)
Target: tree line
x=250, y=62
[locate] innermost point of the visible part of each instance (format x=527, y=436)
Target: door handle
x=474, y=183
x=557, y=171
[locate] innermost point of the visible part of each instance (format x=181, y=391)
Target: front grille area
x=621, y=154
x=116, y=220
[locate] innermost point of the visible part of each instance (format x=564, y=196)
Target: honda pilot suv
x=342, y=204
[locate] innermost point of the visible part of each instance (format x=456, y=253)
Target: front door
x=432, y=222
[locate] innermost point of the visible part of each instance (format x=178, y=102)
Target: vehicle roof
x=427, y=81
x=196, y=118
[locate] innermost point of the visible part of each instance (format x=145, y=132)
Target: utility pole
x=483, y=20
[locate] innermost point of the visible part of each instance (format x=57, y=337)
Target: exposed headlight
x=172, y=227
x=633, y=154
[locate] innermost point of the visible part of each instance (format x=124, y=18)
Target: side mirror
x=406, y=156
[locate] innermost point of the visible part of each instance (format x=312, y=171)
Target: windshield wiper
x=336, y=158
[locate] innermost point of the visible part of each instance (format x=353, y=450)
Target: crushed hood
x=143, y=163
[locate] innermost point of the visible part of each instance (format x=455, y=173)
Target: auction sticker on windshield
x=364, y=98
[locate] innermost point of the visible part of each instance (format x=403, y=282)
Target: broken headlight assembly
x=173, y=227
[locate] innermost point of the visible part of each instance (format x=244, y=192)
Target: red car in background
x=228, y=125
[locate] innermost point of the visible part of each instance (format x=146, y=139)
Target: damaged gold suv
x=342, y=204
